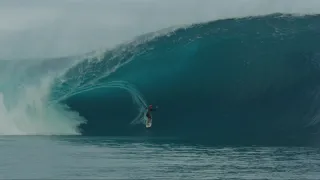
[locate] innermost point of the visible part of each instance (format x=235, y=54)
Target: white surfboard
x=148, y=125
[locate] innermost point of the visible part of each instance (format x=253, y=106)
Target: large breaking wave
x=252, y=80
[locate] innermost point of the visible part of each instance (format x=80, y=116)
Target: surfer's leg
x=149, y=120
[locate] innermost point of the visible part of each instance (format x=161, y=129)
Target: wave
x=245, y=80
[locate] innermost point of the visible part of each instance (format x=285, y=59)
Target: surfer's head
x=150, y=106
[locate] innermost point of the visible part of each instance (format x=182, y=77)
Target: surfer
x=148, y=114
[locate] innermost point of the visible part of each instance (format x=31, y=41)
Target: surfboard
x=148, y=125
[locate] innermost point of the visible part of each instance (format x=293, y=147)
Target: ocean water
x=69, y=157
x=238, y=97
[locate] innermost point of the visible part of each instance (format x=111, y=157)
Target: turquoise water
x=250, y=81
x=222, y=87
x=67, y=157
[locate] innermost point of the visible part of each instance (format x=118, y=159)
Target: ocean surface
x=238, y=98
x=63, y=157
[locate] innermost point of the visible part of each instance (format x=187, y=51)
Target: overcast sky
x=53, y=28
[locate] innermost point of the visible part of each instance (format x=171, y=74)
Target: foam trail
x=137, y=97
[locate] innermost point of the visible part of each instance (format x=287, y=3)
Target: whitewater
x=43, y=65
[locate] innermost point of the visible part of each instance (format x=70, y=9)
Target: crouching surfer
x=148, y=114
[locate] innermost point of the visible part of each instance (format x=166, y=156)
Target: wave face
x=250, y=80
